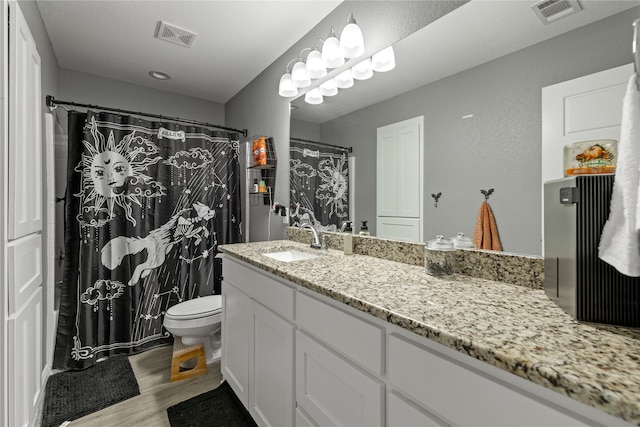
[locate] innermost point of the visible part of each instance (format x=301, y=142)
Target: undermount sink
x=290, y=255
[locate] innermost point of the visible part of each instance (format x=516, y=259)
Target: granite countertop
x=512, y=327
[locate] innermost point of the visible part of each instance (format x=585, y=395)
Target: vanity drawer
x=260, y=285
x=441, y=385
x=360, y=341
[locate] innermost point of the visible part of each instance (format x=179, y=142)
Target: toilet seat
x=196, y=308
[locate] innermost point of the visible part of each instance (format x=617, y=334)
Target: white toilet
x=197, y=321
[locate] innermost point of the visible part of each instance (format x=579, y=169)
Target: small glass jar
x=439, y=257
x=460, y=241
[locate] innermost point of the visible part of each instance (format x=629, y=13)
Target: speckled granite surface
x=523, y=270
x=515, y=328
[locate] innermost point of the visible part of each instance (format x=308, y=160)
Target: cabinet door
x=235, y=340
x=25, y=359
x=25, y=131
x=271, y=401
x=334, y=392
x=403, y=413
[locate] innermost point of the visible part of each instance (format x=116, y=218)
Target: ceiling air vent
x=549, y=11
x=173, y=34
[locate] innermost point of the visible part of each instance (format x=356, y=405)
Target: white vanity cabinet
x=296, y=357
x=258, y=342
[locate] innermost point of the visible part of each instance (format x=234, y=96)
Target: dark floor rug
x=215, y=408
x=73, y=394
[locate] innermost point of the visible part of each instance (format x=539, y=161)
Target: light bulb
x=331, y=54
x=344, y=80
x=315, y=65
x=362, y=70
x=384, y=60
x=286, y=87
x=329, y=88
x=299, y=75
x=313, y=97
x=351, y=40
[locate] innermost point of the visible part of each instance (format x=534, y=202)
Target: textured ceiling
x=236, y=40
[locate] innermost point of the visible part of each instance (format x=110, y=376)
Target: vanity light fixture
x=331, y=54
x=313, y=96
x=362, y=70
x=299, y=75
x=385, y=60
x=160, y=75
x=329, y=88
x=315, y=65
x=286, y=88
x=344, y=80
x=351, y=40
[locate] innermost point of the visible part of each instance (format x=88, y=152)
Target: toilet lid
x=196, y=308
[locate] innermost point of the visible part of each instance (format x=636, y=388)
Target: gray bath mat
x=73, y=394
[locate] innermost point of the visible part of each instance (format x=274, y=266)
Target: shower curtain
x=319, y=185
x=147, y=205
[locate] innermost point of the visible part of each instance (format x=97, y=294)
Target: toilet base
x=212, y=345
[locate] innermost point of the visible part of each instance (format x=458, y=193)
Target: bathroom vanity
x=357, y=340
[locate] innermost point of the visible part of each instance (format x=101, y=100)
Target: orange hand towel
x=486, y=234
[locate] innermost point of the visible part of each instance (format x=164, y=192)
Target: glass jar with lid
x=439, y=257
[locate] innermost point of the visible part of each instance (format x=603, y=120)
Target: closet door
x=399, y=180
x=22, y=245
x=25, y=131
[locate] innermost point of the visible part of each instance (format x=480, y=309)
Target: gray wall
x=259, y=108
x=500, y=147
x=91, y=89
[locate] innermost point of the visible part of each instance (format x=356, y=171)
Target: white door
x=25, y=131
x=399, y=180
x=582, y=109
x=22, y=245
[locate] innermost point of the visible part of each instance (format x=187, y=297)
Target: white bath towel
x=620, y=240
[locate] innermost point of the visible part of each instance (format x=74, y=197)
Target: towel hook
x=436, y=197
x=487, y=193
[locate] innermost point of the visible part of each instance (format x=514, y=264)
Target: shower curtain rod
x=324, y=144
x=53, y=103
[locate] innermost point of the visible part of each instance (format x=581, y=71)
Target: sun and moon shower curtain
x=147, y=204
x=319, y=185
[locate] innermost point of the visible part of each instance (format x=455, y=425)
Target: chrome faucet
x=315, y=244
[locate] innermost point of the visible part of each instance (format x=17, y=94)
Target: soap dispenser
x=364, y=230
x=347, y=238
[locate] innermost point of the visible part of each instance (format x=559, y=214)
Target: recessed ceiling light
x=159, y=75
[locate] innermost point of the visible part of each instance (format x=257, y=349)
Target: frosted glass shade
x=385, y=60
x=299, y=75
x=331, y=54
x=344, y=80
x=287, y=88
x=362, y=70
x=315, y=65
x=313, y=96
x=351, y=40
x=329, y=88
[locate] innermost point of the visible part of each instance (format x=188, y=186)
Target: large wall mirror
x=476, y=77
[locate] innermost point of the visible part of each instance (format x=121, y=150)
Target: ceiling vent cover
x=549, y=11
x=173, y=34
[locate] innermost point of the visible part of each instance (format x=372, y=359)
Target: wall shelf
x=262, y=172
